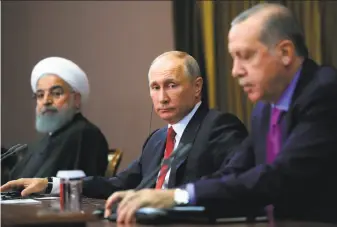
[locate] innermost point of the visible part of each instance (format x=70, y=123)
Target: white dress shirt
x=179, y=129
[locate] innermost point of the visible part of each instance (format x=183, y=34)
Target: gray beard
x=51, y=122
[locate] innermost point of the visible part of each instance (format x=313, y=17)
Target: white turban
x=66, y=70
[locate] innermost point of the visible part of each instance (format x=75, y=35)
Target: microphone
x=13, y=150
x=178, y=153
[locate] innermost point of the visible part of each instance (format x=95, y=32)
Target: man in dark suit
x=175, y=88
x=289, y=161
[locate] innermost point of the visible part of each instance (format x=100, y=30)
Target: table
x=30, y=215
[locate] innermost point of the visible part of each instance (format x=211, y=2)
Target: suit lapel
x=287, y=120
x=307, y=73
x=284, y=127
x=188, y=136
x=263, y=129
x=157, y=153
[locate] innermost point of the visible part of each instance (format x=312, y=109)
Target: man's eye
x=155, y=87
x=39, y=95
x=56, y=94
x=246, y=56
x=172, y=85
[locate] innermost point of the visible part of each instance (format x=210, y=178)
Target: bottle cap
x=70, y=174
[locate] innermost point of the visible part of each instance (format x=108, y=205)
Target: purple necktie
x=274, y=135
x=273, y=147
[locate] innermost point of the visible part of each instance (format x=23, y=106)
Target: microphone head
x=19, y=148
x=23, y=146
x=179, y=152
x=13, y=151
x=14, y=147
x=184, y=150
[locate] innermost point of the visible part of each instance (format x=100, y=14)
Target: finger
x=127, y=209
x=34, y=186
x=126, y=200
x=10, y=185
x=6, y=186
x=29, y=190
x=123, y=206
x=130, y=212
x=111, y=200
x=128, y=197
x=138, y=201
x=121, y=213
x=108, y=205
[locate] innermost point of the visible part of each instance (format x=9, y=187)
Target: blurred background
x=115, y=42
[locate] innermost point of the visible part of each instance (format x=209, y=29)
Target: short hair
x=191, y=66
x=280, y=24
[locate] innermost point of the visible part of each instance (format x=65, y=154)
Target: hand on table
x=131, y=201
x=30, y=185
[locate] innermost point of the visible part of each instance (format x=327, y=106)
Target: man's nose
x=163, y=97
x=47, y=100
x=237, y=70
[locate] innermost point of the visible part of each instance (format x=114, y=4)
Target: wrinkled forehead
x=49, y=81
x=240, y=38
x=247, y=32
x=168, y=67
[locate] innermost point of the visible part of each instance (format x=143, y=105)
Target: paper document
x=47, y=198
x=20, y=201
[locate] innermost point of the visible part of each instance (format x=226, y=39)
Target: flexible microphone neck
x=13, y=150
x=180, y=152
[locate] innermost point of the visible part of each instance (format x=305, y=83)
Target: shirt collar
x=180, y=126
x=285, y=100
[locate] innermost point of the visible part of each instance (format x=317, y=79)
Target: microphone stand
x=13, y=150
x=179, y=152
x=10, y=150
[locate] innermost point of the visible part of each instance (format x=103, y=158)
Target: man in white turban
x=72, y=142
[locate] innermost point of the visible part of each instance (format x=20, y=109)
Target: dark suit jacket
x=77, y=145
x=302, y=181
x=214, y=136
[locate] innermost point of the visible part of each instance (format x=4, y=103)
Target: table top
x=32, y=214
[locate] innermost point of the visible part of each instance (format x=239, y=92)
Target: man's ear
x=287, y=52
x=77, y=100
x=198, y=86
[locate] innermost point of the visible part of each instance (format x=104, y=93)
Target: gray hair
x=281, y=24
x=46, y=123
x=191, y=66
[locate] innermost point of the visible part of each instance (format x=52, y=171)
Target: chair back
x=114, y=159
